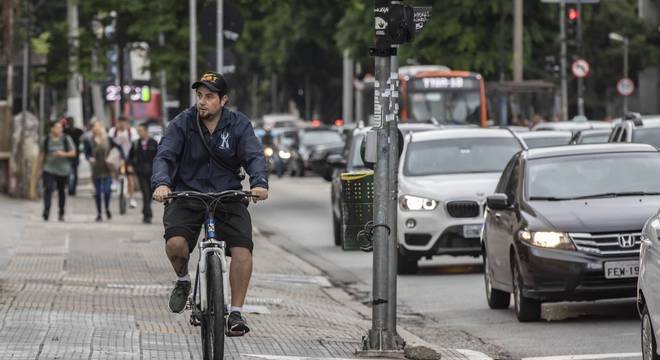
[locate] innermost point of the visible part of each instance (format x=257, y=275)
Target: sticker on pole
x=625, y=87
x=580, y=68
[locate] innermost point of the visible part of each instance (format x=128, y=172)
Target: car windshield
x=595, y=138
x=568, y=177
x=537, y=142
x=447, y=107
x=458, y=156
x=647, y=136
x=313, y=138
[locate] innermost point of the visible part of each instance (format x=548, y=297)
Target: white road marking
x=474, y=355
x=587, y=356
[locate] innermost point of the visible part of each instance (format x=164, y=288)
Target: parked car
x=351, y=160
x=572, y=126
x=312, y=149
x=648, y=295
x=537, y=139
x=444, y=178
x=565, y=225
x=637, y=129
x=591, y=136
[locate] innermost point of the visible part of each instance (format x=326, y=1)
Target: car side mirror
x=498, y=202
x=336, y=161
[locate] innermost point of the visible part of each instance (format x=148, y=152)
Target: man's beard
x=207, y=115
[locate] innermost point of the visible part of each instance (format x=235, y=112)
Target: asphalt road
x=445, y=303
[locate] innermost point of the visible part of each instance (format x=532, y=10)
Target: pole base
x=380, y=354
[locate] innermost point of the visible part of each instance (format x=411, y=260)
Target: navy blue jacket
x=183, y=163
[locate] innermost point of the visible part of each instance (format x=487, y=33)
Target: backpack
x=65, y=138
x=114, y=133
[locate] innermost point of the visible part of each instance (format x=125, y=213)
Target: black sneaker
x=45, y=215
x=236, y=324
x=108, y=214
x=99, y=218
x=179, y=296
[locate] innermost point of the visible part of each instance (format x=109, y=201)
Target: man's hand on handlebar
x=259, y=193
x=161, y=192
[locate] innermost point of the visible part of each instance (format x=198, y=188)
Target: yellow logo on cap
x=209, y=77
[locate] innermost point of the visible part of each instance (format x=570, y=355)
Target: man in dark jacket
x=184, y=163
x=140, y=159
x=75, y=133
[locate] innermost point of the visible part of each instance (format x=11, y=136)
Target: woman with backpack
x=99, y=152
x=55, y=160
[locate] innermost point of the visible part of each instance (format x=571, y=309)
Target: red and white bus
x=438, y=94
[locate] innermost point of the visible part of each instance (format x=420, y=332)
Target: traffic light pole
x=562, y=60
x=580, y=81
x=393, y=190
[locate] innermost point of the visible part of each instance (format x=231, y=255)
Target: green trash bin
x=357, y=193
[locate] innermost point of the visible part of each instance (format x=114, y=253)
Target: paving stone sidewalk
x=86, y=290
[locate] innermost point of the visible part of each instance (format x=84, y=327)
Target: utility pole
x=8, y=49
x=517, y=40
x=580, y=81
x=562, y=61
x=393, y=193
x=74, y=98
x=347, y=88
x=192, y=10
x=163, y=86
x=395, y=24
x=625, y=72
x=359, y=97
x=220, y=38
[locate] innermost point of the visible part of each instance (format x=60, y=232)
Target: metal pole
x=163, y=87
x=517, y=40
x=359, y=99
x=220, y=38
x=192, y=5
x=74, y=101
x=562, y=59
x=625, y=72
x=347, y=88
x=380, y=268
x=580, y=81
x=393, y=205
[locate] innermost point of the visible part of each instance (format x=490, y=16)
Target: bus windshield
x=458, y=107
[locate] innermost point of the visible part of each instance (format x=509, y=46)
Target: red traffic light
x=573, y=14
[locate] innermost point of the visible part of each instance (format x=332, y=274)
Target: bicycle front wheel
x=213, y=319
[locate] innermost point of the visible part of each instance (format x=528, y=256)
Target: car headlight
x=284, y=154
x=268, y=151
x=409, y=202
x=547, y=239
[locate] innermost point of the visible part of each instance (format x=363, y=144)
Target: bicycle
x=122, y=191
x=210, y=293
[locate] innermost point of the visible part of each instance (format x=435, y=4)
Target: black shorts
x=185, y=217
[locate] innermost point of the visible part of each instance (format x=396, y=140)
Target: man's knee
x=240, y=254
x=177, y=245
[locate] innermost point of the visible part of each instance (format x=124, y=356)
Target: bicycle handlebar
x=214, y=196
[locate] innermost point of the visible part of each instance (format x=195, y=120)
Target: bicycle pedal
x=194, y=321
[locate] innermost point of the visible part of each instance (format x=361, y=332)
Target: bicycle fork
x=206, y=247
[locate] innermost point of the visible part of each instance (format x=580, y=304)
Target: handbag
x=114, y=160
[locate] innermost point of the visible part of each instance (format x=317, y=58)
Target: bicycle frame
x=209, y=245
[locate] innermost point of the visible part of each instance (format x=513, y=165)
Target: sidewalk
x=87, y=290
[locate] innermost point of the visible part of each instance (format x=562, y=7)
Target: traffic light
x=572, y=19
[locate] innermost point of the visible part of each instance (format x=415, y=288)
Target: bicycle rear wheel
x=213, y=319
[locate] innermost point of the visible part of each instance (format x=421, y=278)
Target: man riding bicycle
x=187, y=162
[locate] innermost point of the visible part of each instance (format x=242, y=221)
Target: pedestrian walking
x=54, y=160
x=75, y=134
x=140, y=161
x=105, y=157
x=124, y=135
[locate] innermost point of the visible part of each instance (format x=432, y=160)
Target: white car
x=444, y=179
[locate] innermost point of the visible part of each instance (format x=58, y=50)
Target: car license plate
x=621, y=269
x=471, y=231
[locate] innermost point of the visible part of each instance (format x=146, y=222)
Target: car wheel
x=406, y=265
x=497, y=299
x=649, y=345
x=526, y=309
x=336, y=228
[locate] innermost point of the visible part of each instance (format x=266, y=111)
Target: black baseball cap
x=213, y=81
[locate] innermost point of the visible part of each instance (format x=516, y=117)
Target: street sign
x=580, y=68
x=625, y=87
